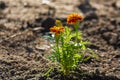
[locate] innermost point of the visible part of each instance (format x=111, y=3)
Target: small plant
x=70, y=49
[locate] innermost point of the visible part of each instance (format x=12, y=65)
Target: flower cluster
x=57, y=30
x=74, y=18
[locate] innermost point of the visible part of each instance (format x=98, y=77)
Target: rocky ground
x=24, y=25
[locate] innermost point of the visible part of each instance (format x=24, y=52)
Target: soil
x=24, y=44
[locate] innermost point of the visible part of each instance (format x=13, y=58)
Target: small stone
x=42, y=47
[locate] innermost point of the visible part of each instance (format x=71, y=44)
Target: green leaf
x=48, y=37
x=48, y=72
x=77, y=56
x=87, y=58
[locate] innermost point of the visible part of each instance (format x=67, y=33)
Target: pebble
x=42, y=47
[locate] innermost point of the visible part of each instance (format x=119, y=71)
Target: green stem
x=57, y=46
x=76, y=28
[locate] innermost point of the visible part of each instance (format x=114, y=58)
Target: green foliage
x=70, y=49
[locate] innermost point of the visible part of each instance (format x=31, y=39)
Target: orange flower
x=56, y=30
x=74, y=18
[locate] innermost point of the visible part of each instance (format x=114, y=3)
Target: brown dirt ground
x=24, y=22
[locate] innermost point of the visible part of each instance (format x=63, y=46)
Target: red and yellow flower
x=57, y=30
x=74, y=18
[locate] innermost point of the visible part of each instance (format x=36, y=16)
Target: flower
x=74, y=18
x=58, y=23
x=57, y=30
